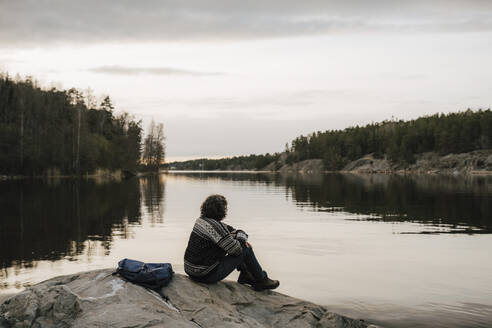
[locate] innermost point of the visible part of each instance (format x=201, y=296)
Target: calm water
x=398, y=251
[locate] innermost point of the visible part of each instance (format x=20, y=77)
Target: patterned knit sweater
x=210, y=241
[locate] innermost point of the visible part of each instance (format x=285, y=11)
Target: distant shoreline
x=401, y=172
x=477, y=162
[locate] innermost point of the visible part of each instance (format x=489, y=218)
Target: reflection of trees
x=42, y=220
x=246, y=177
x=449, y=200
x=153, y=188
x=433, y=199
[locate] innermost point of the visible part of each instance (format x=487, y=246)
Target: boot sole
x=259, y=289
x=245, y=283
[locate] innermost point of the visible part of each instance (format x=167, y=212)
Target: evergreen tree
x=51, y=130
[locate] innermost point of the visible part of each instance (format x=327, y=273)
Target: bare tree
x=154, y=147
x=22, y=107
x=90, y=99
x=160, y=147
x=77, y=99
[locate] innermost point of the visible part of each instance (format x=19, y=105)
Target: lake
x=399, y=251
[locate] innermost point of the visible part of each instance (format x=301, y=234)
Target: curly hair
x=214, y=207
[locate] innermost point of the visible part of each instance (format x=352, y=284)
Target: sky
x=239, y=77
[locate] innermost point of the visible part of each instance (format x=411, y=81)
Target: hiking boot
x=266, y=283
x=245, y=278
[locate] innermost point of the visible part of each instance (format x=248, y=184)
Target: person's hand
x=248, y=245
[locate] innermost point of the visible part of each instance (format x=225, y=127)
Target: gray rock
x=368, y=164
x=475, y=162
x=98, y=299
x=306, y=166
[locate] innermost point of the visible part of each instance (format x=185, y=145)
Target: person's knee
x=247, y=251
x=242, y=255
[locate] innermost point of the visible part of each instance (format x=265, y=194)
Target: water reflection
x=46, y=220
x=153, y=190
x=462, y=204
x=365, y=269
x=452, y=204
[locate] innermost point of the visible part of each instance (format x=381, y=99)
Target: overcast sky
x=239, y=77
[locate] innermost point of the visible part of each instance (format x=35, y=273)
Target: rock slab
x=99, y=299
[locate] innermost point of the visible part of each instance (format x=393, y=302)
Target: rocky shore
x=476, y=162
x=98, y=299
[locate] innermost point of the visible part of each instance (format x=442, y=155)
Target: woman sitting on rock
x=215, y=249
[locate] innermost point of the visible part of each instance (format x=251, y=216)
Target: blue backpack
x=149, y=275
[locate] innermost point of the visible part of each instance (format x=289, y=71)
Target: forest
x=251, y=162
x=398, y=140
x=69, y=132
x=62, y=132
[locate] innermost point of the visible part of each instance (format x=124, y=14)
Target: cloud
x=42, y=22
x=279, y=106
x=404, y=77
x=126, y=70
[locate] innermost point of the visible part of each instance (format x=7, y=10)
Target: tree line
x=66, y=132
x=397, y=140
x=251, y=162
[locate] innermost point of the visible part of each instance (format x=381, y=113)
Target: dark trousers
x=245, y=262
